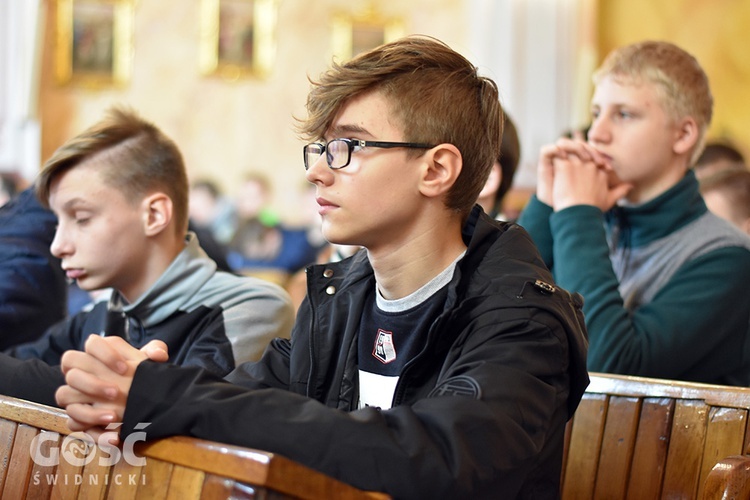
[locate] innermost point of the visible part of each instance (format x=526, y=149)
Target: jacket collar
x=187, y=273
x=657, y=218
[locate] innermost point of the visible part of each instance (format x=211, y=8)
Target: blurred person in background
x=727, y=194
x=717, y=155
x=503, y=170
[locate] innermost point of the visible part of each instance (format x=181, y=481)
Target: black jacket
x=479, y=413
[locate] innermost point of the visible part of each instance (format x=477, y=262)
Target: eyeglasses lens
x=337, y=152
x=312, y=153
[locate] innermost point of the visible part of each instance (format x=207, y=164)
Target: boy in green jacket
x=620, y=220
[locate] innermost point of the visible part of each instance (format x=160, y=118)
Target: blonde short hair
x=682, y=83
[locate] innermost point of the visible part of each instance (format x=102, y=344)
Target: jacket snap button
x=331, y=290
x=328, y=273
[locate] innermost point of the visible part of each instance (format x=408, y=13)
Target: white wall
x=20, y=49
x=538, y=52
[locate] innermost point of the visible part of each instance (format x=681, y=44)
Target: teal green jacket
x=665, y=284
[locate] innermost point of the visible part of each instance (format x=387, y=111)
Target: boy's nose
x=318, y=170
x=59, y=246
x=599, y=131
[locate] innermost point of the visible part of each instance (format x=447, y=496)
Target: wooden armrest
x=627, y=385
x=251, y=466
x=730, y=478
x=173, y=467
x=34, y=414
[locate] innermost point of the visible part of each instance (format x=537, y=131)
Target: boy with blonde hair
x=620, y=220
x=120, y=194
x=438, y=362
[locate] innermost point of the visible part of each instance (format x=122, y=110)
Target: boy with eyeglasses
x=119, y=194
x=620, y=220
x=438, y=362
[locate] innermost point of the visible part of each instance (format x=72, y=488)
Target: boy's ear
x=157, y=214
x=444, y=163
x=687, y=135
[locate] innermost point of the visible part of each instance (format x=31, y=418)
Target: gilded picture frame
x=94, y=42
x=353, y=34
x=238, y=38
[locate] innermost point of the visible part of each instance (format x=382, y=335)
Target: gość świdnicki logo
x=79, y=449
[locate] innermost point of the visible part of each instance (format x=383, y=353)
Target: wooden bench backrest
x=639, y=438
x=176, y=468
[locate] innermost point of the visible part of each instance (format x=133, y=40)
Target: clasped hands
x=99, y=379
x=572, y=172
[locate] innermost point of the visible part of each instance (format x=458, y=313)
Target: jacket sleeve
x=496, y=412
x=674, y=335
x=254, y=314
x=535, y=218
x=29, y=379
x=272, y=371
x=31, y=371
x=60, y=337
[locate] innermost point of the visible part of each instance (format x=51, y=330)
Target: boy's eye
x=81, y=218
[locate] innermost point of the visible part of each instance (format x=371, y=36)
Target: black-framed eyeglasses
x=339, y=151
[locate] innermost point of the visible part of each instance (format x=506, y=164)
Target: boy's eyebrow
x=344, y=130
x=74, y=202
x=70, y=205
x=617, y=106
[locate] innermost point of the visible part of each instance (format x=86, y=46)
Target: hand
x=156, y=350
x=99, y=380
x=580, y=181
x=563, y=149
x=545, y=173
x=588, y=178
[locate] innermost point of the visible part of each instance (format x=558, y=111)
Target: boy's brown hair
x=140, y=160
x=435, y=95
x=682, y=83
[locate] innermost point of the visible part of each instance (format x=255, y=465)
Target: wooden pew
x=640, y=438
x=40, y=459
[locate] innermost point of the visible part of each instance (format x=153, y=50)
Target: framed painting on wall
x=94, y=40
x=237, y=37
x=353, y=34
